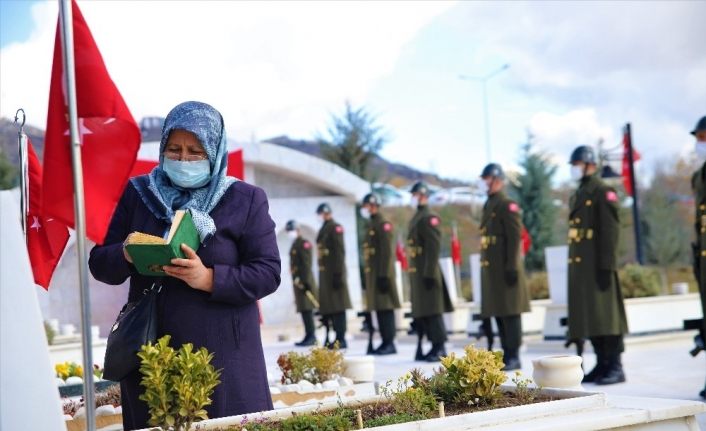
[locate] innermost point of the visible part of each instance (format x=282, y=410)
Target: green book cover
x=149, y=253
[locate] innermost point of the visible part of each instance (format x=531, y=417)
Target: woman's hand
x=191, y=270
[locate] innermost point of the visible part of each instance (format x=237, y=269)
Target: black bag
x=135, y=326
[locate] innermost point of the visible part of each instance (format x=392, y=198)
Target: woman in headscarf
x=209, y=298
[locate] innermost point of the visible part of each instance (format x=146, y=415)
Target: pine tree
x=8, y=173
x=533, y=194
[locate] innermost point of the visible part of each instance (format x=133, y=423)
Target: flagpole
x=24, y=176
x=635, y=209
x=67, y=40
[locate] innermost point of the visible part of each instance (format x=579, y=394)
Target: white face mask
x=292, y=234
x=482, y=186
x=321, y=218
x=576, y=172
x=701, y=149
x=365, y=213
x=414, y=202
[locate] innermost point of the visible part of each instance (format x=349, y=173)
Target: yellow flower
x=62, y=370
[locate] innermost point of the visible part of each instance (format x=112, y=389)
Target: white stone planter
x=359, y=368
x=559, y=371
x=645, y=315
x=569, y=410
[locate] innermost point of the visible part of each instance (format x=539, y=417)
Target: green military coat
x=424, y=245
x=698, y=184
x=333, y=288
x=302, y=277
x=379, y=264
x=593, y=241
x=501, y=230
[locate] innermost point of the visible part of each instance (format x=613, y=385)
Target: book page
x=178, y=216
x=143, y=238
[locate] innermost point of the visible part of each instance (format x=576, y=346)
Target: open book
x=149, y=252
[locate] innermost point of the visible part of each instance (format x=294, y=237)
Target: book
x=150, y=252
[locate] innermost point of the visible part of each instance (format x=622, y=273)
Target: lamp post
x=484, y=80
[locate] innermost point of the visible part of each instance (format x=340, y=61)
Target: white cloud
x=270, y=67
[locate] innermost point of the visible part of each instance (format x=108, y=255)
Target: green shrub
x=295, y=367
x=178, y=384
x=308, y=422
x=408, y=398
x=317, y=366
x=397, y=418
x=474, y=378
x=538, y=285
x=639, y=281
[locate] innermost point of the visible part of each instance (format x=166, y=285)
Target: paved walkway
x=656, y=366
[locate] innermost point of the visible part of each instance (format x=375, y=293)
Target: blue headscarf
x=162, y=197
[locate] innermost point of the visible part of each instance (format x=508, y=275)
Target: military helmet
x=584, y=154
x=323, y=208
x=291, y=225
x=493, y=170
x=420, y=187
x=700, y=126
x=372, y=199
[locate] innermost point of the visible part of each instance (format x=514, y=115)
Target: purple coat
x=246, y=263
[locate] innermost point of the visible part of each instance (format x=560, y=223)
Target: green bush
x=538, y=285
x=397, y=418
x=317, y=366
x=178, y=384
x=639, y=281
x=474, y=378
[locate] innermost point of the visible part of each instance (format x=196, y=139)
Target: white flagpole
x=24, y=174
x=67, y=40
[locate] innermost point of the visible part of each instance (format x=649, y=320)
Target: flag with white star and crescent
x=110, y=137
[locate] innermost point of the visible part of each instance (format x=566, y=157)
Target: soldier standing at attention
x=698, y=185
x=303, y=281
x=596, y=309
x=504, y=290
x=429, y=295
x=333, y=293
x=380, y=281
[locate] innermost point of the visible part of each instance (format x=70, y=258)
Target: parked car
x=455, y=196
x=391, y=195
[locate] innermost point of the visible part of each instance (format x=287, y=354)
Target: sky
x=577, y=71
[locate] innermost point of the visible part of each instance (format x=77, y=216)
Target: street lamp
x=483, y=80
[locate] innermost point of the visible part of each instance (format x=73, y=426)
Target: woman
x=209, y=298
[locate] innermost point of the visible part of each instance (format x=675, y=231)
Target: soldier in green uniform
x=504, y=290
x=379, y=268
x=698, y=185
x=430, y=297
x=303, y=281
x=333, y=288
x=596, y=309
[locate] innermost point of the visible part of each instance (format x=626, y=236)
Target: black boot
x=436, y=353
x=598, y=371
x=341, y=342
x=614, y=373
x=386, y=348
x=511, y=358
x=308, y=340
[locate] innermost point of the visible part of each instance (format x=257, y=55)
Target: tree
x=354, y=140
x=534, y=195
x=8, y=173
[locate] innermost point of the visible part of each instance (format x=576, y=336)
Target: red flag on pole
x=110, y=137
x=526, y=241
x=401, y=255
x=626, y=171
x=46, y=237
x=455, y=248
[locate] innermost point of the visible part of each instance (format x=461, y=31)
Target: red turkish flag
x=526, y=240
x=455, y=249
x=626, y=172
x=109, y=136
x=46, y=237
x=402, y=256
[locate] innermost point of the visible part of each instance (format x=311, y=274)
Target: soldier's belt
x=579, y=234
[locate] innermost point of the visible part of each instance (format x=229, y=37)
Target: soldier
x=504, y=290
x=380, y=281
x=303, y=281
x=430, y=297
x=333, y=293
x=698, y=185
x=596, y=309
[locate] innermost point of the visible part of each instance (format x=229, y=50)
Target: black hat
x=372, y=199
x=585, y=154
x=700, y=126
x=323, y=208
x=420, y=187
x=493, y=170
x=291, y=225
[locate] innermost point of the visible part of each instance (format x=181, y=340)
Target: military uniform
x=380, y=281
x=300, y=260
x=698, y=185
x=503, y=286
x=430, y=296
x=596, y=309
x=333, y=294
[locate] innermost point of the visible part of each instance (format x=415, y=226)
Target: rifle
x=485, y=329
x=325, y=322
x=368, y=327
x=699, y=338
x=579, y=342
